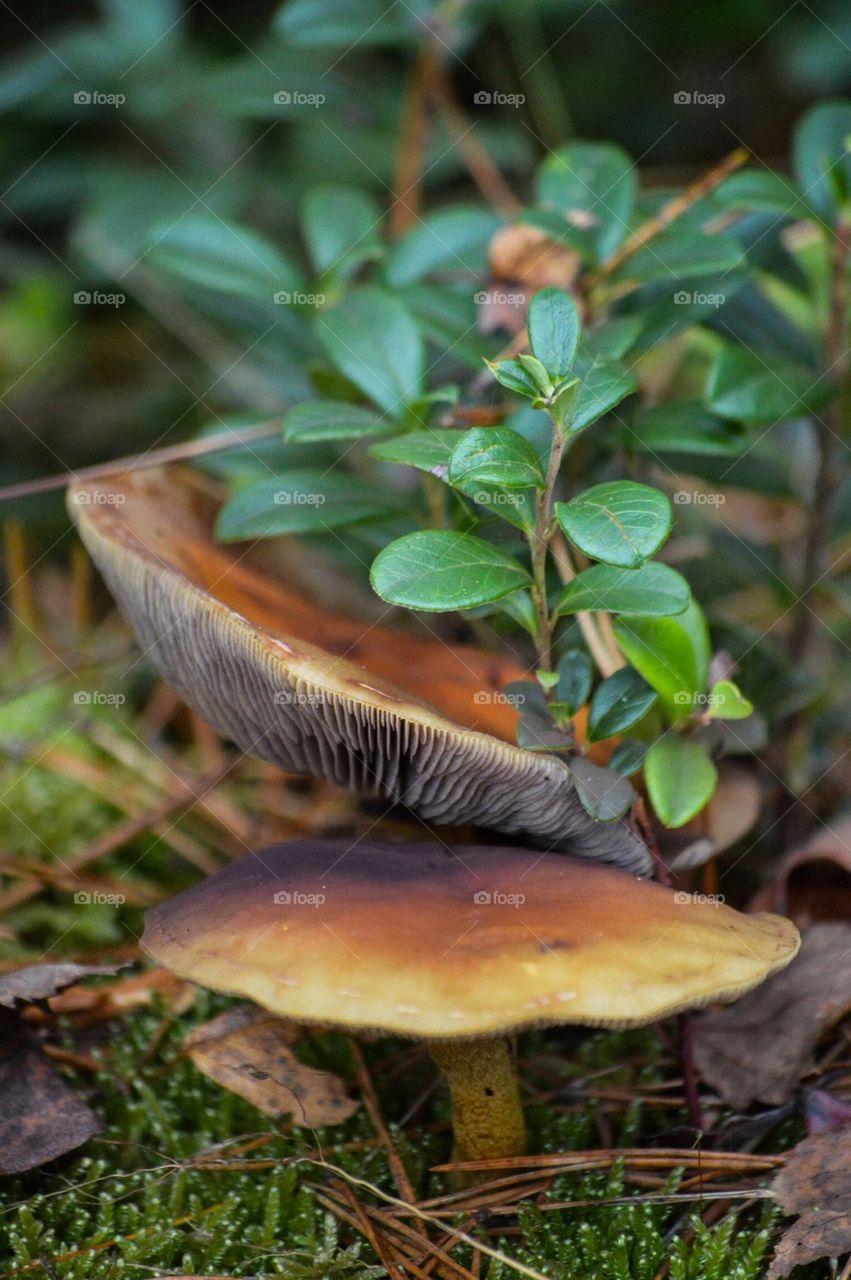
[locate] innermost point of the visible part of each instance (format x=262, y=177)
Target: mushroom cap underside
x=248, y=654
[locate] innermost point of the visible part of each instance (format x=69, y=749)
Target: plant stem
x=487, y=1118
x=539, y=541
x=830, y=428
x=608, y=661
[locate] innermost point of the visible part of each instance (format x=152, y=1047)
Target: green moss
x=129, y=1207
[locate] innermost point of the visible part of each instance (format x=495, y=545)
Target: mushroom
x=411, y=719
x=461, y=947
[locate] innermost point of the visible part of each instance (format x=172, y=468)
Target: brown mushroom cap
x=274, y=673
x=439, y=943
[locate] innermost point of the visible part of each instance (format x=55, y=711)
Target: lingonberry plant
x=694, y=340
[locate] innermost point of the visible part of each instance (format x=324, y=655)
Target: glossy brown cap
x=428, y=941
x=338, y=698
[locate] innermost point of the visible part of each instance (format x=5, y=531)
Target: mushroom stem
x=487, y=1118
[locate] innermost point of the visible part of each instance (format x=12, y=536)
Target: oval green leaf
x=332, y=420
x=671, y=653
x=680, y=779
x=438, y=570
x=371, y=338
x=653, y=591
x=618, y=703
x=299, y=502
x=621, y=523
x=497, y=455
x=553, y=324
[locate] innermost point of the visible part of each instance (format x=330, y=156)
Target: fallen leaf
x=824, y=1112
x=815, y=1182
x=97, y=1004
x=813, y=882
x=761, y=1046
x=251, y=1053
x=531, y=257
x=41, y=1117
x=39, y=981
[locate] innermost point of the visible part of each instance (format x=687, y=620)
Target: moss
x=128, y=1206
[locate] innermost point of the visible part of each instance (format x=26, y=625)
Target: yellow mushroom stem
x=487, y=1118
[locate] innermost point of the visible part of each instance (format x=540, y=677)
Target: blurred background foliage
x=83, y=184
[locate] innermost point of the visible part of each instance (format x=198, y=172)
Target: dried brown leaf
x=96, y=1004
x=41, y=1117
x=39, y=981
x=531, y=257
x=251, y=1053
x=813, y=882
x=816, y=1184
x=761, y=1046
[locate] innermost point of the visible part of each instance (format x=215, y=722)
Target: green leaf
x=759, y=190
x=511, y=374
x=727, y=702
x=743, y=386
x=628, y=757
x=426, y=450
x=595, y=179
x=614, y=338
x=618, y=703
x=680, y=779
x=537, y=373
x=332, y=420
x=371, y=338
x=496, y=455
x=338, y=24
x=682, y=255
x=536, y=732
x=683, y=426
x=454, y=240
x=301, y=501
x=575, y=677
x=654, y=590
x=671, y=653
x=340, y=226
x=822, y=157
x=605, y=794
x=621, y=523
x=519, y=607
x=553, y=324
x=603, y=385
x=439, y=571
x=207, y=250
